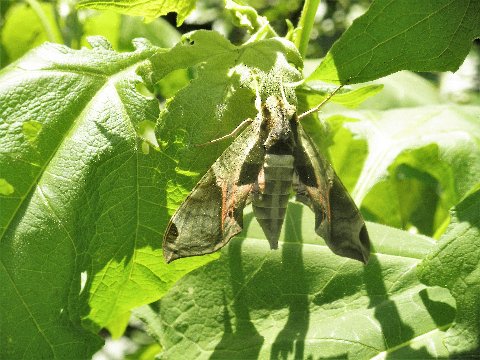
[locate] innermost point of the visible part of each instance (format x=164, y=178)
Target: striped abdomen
x=272, y=191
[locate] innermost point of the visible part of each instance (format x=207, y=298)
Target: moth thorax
x=270, y=199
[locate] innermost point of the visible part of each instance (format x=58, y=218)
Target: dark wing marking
x=337, y=219
x=213, y=212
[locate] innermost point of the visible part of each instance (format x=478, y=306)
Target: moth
x=269, y=159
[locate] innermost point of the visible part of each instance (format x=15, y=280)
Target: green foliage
x=217, y=100
x=91, y=169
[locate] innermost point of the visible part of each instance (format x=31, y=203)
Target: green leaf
x=455, y=265
x=80, y=238
x=302, y=301
x=148, y=314
x=428, y=35
x=150, y=9
x=116, y=327
x=245, y=16
x=433, y=151
x=159, y=32
x=102, y=23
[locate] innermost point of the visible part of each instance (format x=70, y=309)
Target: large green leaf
x=302, y=301
x=84, y=210
x=455, y=264
x=427, y=35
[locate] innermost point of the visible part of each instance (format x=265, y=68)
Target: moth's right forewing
x=337, y=218
x=213, y=212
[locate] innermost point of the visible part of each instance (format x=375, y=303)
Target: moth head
x=276, y=119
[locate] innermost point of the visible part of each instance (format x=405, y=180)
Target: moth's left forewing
x=337, y=218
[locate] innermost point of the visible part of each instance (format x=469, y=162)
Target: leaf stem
x=35, y=5
x=305, y=25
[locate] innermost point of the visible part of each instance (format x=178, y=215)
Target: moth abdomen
x=272, y=193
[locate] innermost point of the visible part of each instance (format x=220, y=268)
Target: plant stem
x=34, y=4
x=305, y=25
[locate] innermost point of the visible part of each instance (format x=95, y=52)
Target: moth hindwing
x=262, y=165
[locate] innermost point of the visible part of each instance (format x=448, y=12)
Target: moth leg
x=316, y=108
x=234, y=133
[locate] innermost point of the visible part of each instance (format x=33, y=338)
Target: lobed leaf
x=83, y=202
x=86, y=188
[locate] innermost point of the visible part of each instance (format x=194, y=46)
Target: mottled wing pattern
x=337, y=219
x=213, y=212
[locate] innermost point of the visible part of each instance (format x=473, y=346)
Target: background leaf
x=305, y=302
x=120, y=30
x=21, y=16
x=397, y=92
x=150, y=9
x=430, y=35
x=406, y=165
x=409, y=172
x=455, y=264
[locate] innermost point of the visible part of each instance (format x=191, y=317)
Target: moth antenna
x=258, y=99
x=232, y=134
x=316, y=108
x=294, y=84
x=282, y=91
